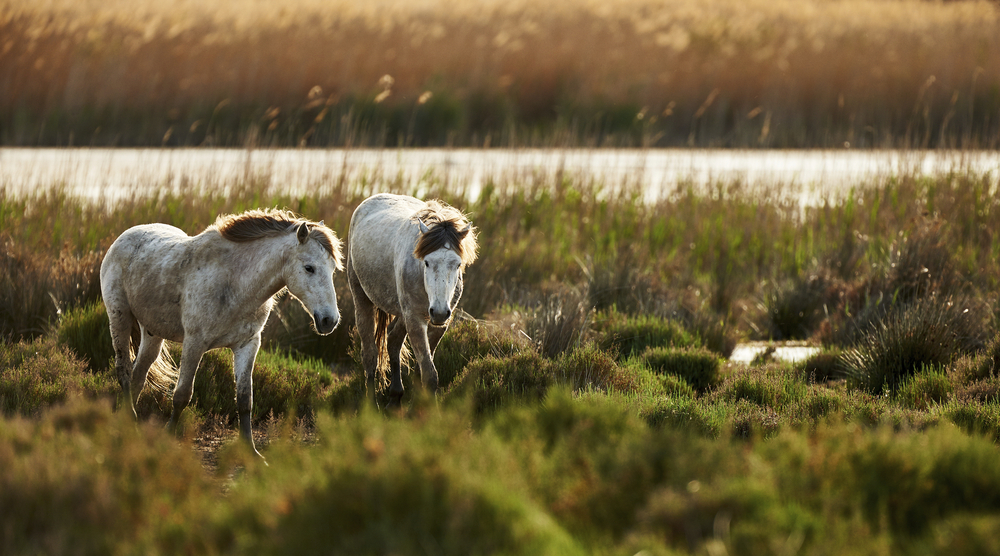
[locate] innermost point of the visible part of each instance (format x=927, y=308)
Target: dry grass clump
x=721, y=72
x=35, y=288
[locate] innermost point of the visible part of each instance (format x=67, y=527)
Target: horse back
x=380, y=247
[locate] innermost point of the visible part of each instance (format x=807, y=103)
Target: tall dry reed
x=679, y=72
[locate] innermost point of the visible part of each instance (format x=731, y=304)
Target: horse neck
x=260, y=270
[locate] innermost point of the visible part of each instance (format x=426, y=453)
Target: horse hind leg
x=149, y=351
x=394, y=346
x=365, y=321
x=122, y=323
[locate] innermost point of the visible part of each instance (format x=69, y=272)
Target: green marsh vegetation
x=587, y=407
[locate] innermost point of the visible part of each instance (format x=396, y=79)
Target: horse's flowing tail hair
x=163, y=373
x=382, y=320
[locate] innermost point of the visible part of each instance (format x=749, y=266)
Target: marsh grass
x=928, y=332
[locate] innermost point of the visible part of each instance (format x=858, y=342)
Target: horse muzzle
x=439, y=317
x=325, y=323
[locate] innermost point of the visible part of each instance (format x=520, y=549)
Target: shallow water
x=809, y=176
x=791, y=351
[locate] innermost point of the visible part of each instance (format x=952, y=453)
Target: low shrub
x=818, y=403
x=656, y=385
x=975, y=418
x=928, y=387
x=469, y=340
x=589, y=367
x=282, y=385
x=631, y=335
x=86, y=330
x=767, y=387
x=749, y=420
x=82, y=480
x=698, y=366
x=492, y=382
x=985, y=390
x=41, y=373
x=686, y=413
x=821, y=367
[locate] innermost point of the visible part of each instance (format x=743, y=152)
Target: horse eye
x=427, y=264
x=310, y=269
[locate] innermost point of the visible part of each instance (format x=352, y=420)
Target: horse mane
x=257, y=224
x=445, y=224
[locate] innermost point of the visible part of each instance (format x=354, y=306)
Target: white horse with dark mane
x=405, y=263
x=212, y=290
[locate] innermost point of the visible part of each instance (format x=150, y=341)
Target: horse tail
x=382, y=320
x=163, y=373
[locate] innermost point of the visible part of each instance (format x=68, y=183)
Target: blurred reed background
x=707, y=73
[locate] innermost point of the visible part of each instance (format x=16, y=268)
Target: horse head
x=309, y=274
x=442, y=271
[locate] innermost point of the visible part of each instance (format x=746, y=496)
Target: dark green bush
x=822, y=367
x=589, y=367
x=281, y=385
x=469, y=340
x=698, y=366
x=631, y=335
x=86, y=330
x=976, y=418
x=492, y=381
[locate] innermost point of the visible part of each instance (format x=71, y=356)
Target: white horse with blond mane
x=213, y=290
x=405, y=263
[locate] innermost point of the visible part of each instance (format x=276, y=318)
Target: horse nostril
x=437, y=316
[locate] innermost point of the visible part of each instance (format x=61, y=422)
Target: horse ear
x=465, y=231
x=321, y=223
x=423, y=227
x=302, y=232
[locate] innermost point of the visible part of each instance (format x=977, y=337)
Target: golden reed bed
x=752, y=72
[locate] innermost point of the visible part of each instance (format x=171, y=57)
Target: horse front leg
x=416, y=329
x=191, y=353
x=244, y=357
x=364, y=320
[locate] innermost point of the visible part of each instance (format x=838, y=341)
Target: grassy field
x=588, y=409
x=779, y=73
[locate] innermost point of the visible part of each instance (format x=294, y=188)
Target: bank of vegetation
x=586, y=406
